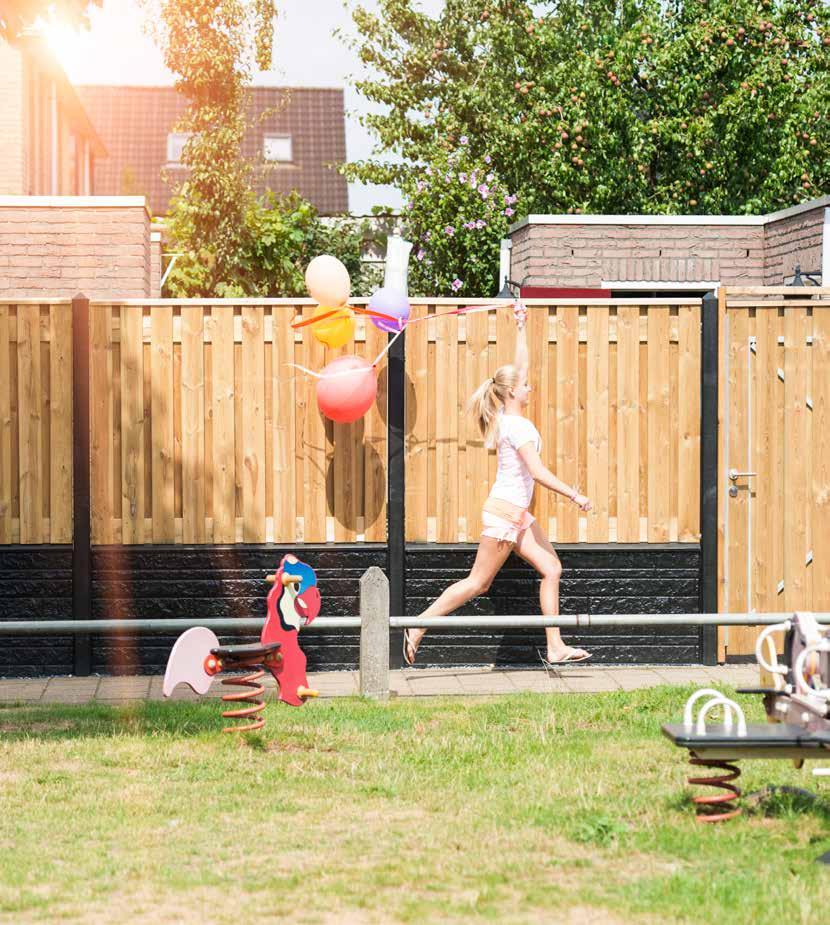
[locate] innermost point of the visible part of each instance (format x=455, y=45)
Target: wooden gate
x=774, y=455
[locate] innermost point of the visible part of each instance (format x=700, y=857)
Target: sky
x=116, y=50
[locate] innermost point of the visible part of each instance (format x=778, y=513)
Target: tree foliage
x=211, y=46
x=16, y=15
x=280, y=236
x=607, y=106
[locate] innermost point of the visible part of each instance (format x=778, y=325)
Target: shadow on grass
x=97, y=720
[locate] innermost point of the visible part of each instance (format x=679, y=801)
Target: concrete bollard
x=374, y=634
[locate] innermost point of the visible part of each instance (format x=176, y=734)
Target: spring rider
x=197, y=657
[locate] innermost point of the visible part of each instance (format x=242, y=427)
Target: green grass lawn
x=528, y=808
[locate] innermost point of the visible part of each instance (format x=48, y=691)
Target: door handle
x=734, y=474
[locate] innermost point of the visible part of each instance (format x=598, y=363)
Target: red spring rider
x=197, y=656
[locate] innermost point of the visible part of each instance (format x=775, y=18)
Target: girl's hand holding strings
x=520, y=314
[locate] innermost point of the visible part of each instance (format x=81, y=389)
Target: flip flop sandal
x=407, y=646
x=567, y=660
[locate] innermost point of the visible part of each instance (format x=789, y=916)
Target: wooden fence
x=774, y=514
x=615, y=395
x=201, y=432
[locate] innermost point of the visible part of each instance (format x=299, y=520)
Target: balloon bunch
x=347, y=387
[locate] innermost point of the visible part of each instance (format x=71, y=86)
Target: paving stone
x=11, y=691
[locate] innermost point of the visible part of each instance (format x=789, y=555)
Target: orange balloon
x=337, y=329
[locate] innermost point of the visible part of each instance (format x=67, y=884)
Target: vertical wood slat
x=446, y=430
x=313, y=447
x=736, y=437
x=374, y=466
x=222, y=411
x=476, y=474
x=5, y=428
x=132, y=425
x=597, y=422
x=193, y=424
x=659, y=422
x=60, y=423
x=764, y=461
x=821, y=459
x=688, y=424
x=29, y=416
x=101, y=425
x=161, y=377
x=253, y=424
x=628, y=425
x=796, y=460
x=284, y=387
x=539, y=407
x=567, y=430
x=417, y=428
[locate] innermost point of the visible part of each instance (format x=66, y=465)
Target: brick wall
x=790, y=240
x=58, y=246
x=568, y=251
x=11, y=120
x=586, y=255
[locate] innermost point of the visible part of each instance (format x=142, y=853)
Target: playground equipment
x=197, y=657
x=797, y=706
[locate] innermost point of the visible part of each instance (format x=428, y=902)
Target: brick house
x=50, y=147
x=627, y=254
x=295, y=139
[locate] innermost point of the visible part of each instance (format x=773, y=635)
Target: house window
x=277, y=148
x=175, y=145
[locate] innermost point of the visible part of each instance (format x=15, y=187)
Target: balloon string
x=348, y=372
x=356, y=309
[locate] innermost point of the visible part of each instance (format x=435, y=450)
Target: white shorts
x=502, y=529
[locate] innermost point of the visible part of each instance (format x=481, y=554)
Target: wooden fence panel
x=821, y=459
x=203, y=432
x=7, y=318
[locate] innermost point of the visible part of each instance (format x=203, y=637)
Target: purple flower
x=428, y=236
x=484, y=191
x=428, y=171
x=420, y=186
x=456, y=284
x=463, y=139
x=420, y=255
x=490, y=177
x=448, y=177
x=480, y=223
x=462, y=178
x=508, y=212
x=449, y=231
x=469, y=225
x=487, y=158
x=408, y=205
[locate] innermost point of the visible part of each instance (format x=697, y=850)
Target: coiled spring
x=720, y=806
x=254, y=691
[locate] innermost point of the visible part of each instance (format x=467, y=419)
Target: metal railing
x=375, y=623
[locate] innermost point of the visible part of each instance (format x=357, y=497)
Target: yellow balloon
x=334, y=331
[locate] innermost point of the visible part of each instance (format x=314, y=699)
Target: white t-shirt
x=514, y=483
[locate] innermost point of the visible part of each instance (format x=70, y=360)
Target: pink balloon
x=327, y=281
x=347, y=389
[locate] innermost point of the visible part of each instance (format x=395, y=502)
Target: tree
x=607, y=106
x=211, y=46
x=16, y=15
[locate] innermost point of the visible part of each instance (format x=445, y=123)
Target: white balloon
x=327, y=281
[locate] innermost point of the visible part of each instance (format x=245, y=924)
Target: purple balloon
x=392, y=302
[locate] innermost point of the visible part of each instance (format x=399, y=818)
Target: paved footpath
x=413, y=682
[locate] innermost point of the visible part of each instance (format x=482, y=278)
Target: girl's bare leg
x=535, y=548
x=490, y=557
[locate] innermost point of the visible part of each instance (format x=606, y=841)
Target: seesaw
x=197, y=656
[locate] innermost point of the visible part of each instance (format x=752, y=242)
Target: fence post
x=374, y=634
x=709, y=475
x=81, y=533
x=396, y=482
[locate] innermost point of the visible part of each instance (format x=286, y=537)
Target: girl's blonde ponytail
x=488, y=400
